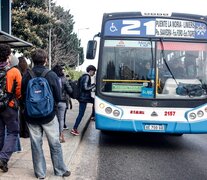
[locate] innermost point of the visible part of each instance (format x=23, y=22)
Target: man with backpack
x=85, y=86
x=10, y=93
x=37, y=86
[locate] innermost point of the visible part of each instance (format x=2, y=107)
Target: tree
x=65, y=44
x=31, y=22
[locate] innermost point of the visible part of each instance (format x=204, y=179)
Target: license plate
x=154, y=127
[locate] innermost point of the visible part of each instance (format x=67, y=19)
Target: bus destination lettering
x=175, y=28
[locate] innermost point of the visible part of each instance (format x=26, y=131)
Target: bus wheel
x=105, y=132
x=177, y=134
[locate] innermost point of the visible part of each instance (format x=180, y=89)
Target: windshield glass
x=149, y=69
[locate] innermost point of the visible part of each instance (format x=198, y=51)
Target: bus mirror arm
x=97, y=35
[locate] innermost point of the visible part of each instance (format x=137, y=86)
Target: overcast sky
x=88, y=13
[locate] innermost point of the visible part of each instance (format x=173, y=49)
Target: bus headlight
x=108, y=110
x=116, y=113
x=101, y=105
x=200, y=113
x=192, y=115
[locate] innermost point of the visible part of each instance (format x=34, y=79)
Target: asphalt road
x=126, y=156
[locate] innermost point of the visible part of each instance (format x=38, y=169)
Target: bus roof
x=115, y=15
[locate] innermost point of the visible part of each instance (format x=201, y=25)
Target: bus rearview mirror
x=91, y=49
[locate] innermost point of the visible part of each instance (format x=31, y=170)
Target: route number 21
x=134, y=27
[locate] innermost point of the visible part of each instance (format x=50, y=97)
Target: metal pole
x=78, y=61
x=49, y=45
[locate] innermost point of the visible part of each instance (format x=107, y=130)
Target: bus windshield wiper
x=164, y=59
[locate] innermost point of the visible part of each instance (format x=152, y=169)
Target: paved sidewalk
x=20, y=164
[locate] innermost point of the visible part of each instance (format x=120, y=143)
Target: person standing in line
x=68, y=103
x=24, y=131
x=85, y=96
x=14, y=63
x=49, y=124
x=66, y=89
x=23, y=65
x=9, y=114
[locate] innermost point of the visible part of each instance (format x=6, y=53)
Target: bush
x=74, y=75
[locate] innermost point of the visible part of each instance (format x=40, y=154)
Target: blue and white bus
x=152, y=73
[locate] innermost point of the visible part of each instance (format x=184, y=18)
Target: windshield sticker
x=121, y=43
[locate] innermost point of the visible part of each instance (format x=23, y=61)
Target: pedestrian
x=85, y=96
x=24, y=131
x=65, y=89
x=11, y=92
x=23, y=65
x=48, y=124
x=68, y=104
x=14, y=63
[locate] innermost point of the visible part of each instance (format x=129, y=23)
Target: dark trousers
x=9, y=122
x=82, y=109
x=24, y=131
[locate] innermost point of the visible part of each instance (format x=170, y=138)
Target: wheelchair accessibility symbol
x=113, y=28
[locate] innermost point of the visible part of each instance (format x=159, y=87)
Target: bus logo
x=201, y=30
x=154, y=114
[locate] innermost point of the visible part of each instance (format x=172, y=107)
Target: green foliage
x=74, y=75
x=31, y=22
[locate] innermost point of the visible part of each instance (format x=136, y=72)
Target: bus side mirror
x=91, y=49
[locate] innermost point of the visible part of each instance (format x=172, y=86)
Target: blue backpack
x=39, y=97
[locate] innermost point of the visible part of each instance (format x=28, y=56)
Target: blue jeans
x=82, y=109
x=9, y=121
x=18, y=146
x=51, y=130
x=61, y=115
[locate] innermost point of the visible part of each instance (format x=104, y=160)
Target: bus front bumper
x=108, y=124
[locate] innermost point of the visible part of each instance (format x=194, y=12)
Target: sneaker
x=3, y=166
x=65, y=127
x=74, y=132
x=66, y=174
x=92, y=118
x=19, y=151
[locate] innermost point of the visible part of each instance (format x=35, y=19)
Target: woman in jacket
x=66, y=89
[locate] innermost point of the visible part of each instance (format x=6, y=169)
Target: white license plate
x=154, y=127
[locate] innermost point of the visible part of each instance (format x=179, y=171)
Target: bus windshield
x=153, y=69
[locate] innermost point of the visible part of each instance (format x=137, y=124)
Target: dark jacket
x=55, y=87
x=86, y=88
x=66, y=89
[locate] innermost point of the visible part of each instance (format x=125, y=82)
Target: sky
x=87, y=14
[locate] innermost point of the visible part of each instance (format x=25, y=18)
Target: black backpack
x=76, y=88
x=5, y=97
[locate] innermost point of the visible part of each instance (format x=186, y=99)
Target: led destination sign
x=156, y=27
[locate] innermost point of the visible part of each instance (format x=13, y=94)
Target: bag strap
x=44, y=73
x=31, y=73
